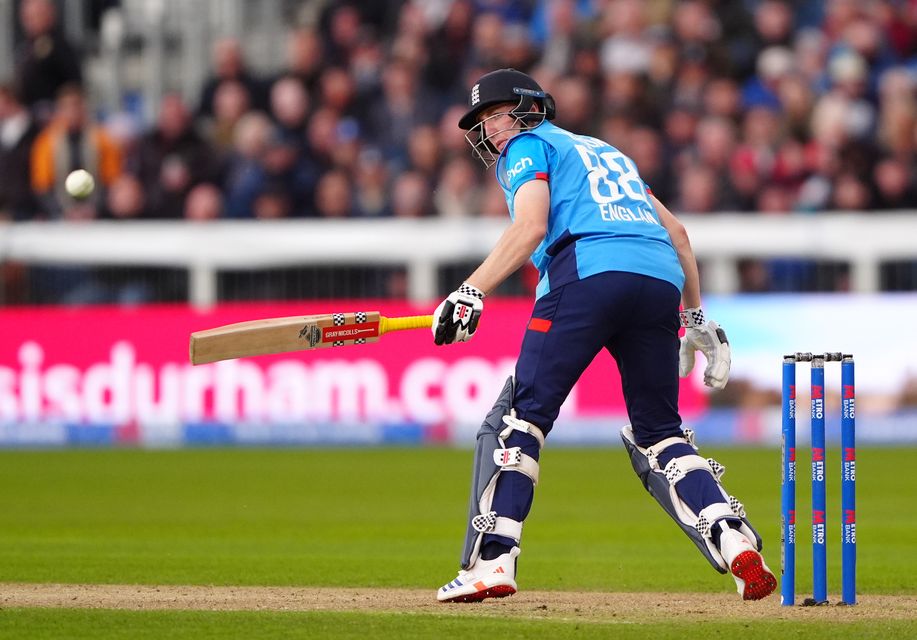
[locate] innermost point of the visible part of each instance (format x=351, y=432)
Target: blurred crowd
x=758, y=106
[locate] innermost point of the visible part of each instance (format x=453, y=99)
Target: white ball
x=80, y=183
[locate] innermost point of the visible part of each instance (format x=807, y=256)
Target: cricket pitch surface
x=549, y=605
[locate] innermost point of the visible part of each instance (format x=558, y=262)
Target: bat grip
x=407, y=322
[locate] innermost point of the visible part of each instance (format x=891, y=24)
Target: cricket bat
x=296, y=333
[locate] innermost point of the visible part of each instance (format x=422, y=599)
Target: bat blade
x=294, y=333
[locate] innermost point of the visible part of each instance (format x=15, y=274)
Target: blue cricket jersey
x=601, y=216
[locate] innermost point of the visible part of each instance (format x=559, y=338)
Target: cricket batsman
x=615, y=268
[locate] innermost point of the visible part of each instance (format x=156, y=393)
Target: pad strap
x=512, y=422
x=498, y=525
x=513, y=459
x=709, y=515
x=678, y=468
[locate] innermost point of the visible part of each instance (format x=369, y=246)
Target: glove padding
x=711, y=340
x=456, y=318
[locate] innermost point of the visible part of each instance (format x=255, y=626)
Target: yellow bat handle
x=407, y=322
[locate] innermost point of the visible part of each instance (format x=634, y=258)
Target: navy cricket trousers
x=634, y=317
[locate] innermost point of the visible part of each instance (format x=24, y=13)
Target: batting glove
x=709, y=338
x=456, y=318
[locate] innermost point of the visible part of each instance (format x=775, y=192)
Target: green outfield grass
x=75, y=624
x=392, y=517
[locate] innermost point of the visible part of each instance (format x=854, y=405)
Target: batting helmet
x=507, y=85
x=503, y=86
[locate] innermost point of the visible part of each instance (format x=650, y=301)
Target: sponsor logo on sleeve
x=519, y=167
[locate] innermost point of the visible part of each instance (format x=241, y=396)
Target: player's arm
x=702, y=335
x=456, y=318
x=690, y=296
x=531, y=205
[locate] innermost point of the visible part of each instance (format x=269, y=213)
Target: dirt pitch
x=553, y=605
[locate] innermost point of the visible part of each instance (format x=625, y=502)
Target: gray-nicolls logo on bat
x=311, y=333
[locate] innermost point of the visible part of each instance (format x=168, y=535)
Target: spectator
x=18, y=131
x=230, y=102
x=763, y=107
x=774, y=64
x=898, y=114
x=400, y=108
x=273, y=203
x=486, y=42
x=290, y=173
x=125, y=199
x=810, y=50
x=723, y=98
x=773, y=23
x=626, y=49
x=679, y=125
x=173, y=158
x=45, y=61
x=644, y=145
x=698, y=31
x=458, y=195
x=71, y=141
x=342, y=34
x=576, y=103
x=791, y=164
x=337, y=91
x=895, y=186
x=850, y=193
x=229, y=64
x=322, y=137
x=204, y=203
x=334, y=195
x=516, y=51
x=348, y=143
x=449, y=43
x=289, y=108
x=774, y=198
x=716, y=141
x=424, y=152
x=304, y=57
x=451, y=137
x=244, y=174
x=796, y=103
x=371, y=182
x=287, y=172
x=411, y=196
x=697, y=190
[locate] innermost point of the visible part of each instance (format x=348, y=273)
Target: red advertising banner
x=128, y=369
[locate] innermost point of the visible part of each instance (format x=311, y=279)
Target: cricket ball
x=80, y=184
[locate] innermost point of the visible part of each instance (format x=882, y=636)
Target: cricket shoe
x=754, y=580
x=486, y=579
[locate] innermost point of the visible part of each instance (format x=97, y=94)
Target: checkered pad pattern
x=691, y=317
x=337, y=319
x=468, y=290
x=485, y=522
x=717, y=468
x=703, y=526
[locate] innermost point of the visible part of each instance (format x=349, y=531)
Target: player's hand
x=709, y=338
x=456, y=318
